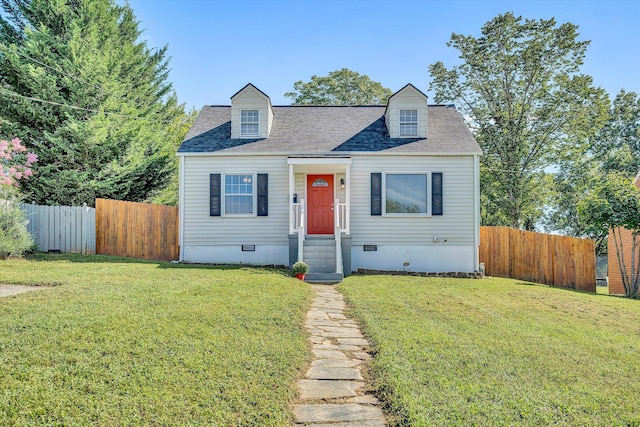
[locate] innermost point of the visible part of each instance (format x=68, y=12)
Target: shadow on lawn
x=580, y=291
x=108, y=259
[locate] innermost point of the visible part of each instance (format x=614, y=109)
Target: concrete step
x=324, y=278
x=323, y=258
x=312, y=244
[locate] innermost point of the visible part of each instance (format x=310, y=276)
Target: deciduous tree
x=615, y=204
x=520, y=89
x=340, y=87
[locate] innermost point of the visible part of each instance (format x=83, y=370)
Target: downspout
x=476, y=209
x=181, y=209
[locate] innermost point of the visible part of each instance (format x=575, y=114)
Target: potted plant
x=299, y=269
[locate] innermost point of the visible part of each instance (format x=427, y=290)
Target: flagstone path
x=333, y=392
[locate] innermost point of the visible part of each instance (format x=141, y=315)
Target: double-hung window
x=406, y=193
x=408, y=123
x=249, y=122
x=239, y=194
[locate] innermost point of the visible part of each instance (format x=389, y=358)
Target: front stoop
x=333, y=392
x=320, y=255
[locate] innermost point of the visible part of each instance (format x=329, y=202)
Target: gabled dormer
x=251, y=113
x=406, y=113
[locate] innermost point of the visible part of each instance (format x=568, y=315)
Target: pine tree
x=106, y=128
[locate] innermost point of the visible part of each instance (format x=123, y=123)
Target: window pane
x=248, y=116
x=408, y=129
x=238, y=205
x=406, y=193
x=408, y=116
x=249, y=129
x=238, y=191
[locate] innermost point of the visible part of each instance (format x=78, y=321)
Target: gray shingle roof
x=329, y=129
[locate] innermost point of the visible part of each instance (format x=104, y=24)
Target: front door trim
x=320, y=219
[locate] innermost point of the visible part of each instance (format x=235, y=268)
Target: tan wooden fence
x=541, y=258
x=136, y=230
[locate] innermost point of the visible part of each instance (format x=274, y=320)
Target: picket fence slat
x=537, y=257
x=136, y=230
x=62, y=228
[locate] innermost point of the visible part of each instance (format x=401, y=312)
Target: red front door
x=320, y=204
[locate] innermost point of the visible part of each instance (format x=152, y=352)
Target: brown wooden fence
x=541, y=258
x=136, y=230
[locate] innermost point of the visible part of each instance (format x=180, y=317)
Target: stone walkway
x=332, y=394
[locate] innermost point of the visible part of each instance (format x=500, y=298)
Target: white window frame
x=407, y=214
x=246, y=135
x=224, y=195
x=400, y=123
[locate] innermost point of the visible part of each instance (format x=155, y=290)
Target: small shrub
x=300, y=267
x=15, y=239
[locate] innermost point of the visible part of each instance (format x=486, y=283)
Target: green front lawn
x=499, y=352
x=124, y=342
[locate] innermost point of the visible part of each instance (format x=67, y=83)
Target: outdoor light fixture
x=342, y=183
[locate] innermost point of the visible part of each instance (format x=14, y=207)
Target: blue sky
x=217, y=46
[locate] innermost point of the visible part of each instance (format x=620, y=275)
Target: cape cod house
x=392, y=187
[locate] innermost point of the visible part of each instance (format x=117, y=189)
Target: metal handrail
x=342, y=217
x=338, y=237
x=300, y=227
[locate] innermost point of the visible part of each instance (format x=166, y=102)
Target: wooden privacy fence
x=70, y=229
x=541, y=258
x=136, y=230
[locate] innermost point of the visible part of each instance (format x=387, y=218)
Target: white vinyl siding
x=247, y=100
x=408, y=99
x=200, y=229
x=249, y=122
x=456, y=225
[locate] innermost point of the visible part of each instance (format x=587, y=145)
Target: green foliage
x=573, y=180
x=15, y=239
x=498, y=352
x=178, y=130
x=614, y=203
x=528, y=106
x=114, y=137
x=126, y=342
x=617, y=146
x=300, y=267
x=615, y=149
x=340, y=87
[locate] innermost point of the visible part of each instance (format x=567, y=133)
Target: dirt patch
x=8, y=290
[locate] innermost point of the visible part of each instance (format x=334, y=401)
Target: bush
x=15, y=239
x=300, y=267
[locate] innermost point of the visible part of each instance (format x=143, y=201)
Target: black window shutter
x=436, y=193
x=263, y=194
x=214, y=194
x=376, y=193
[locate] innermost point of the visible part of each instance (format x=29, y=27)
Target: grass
x=125, y=342
x=496, y=352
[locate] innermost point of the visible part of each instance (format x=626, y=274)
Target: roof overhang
x=331, y=159
x=319, y=160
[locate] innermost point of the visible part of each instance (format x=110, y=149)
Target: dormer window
x=249, y=123
x=408, y=123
